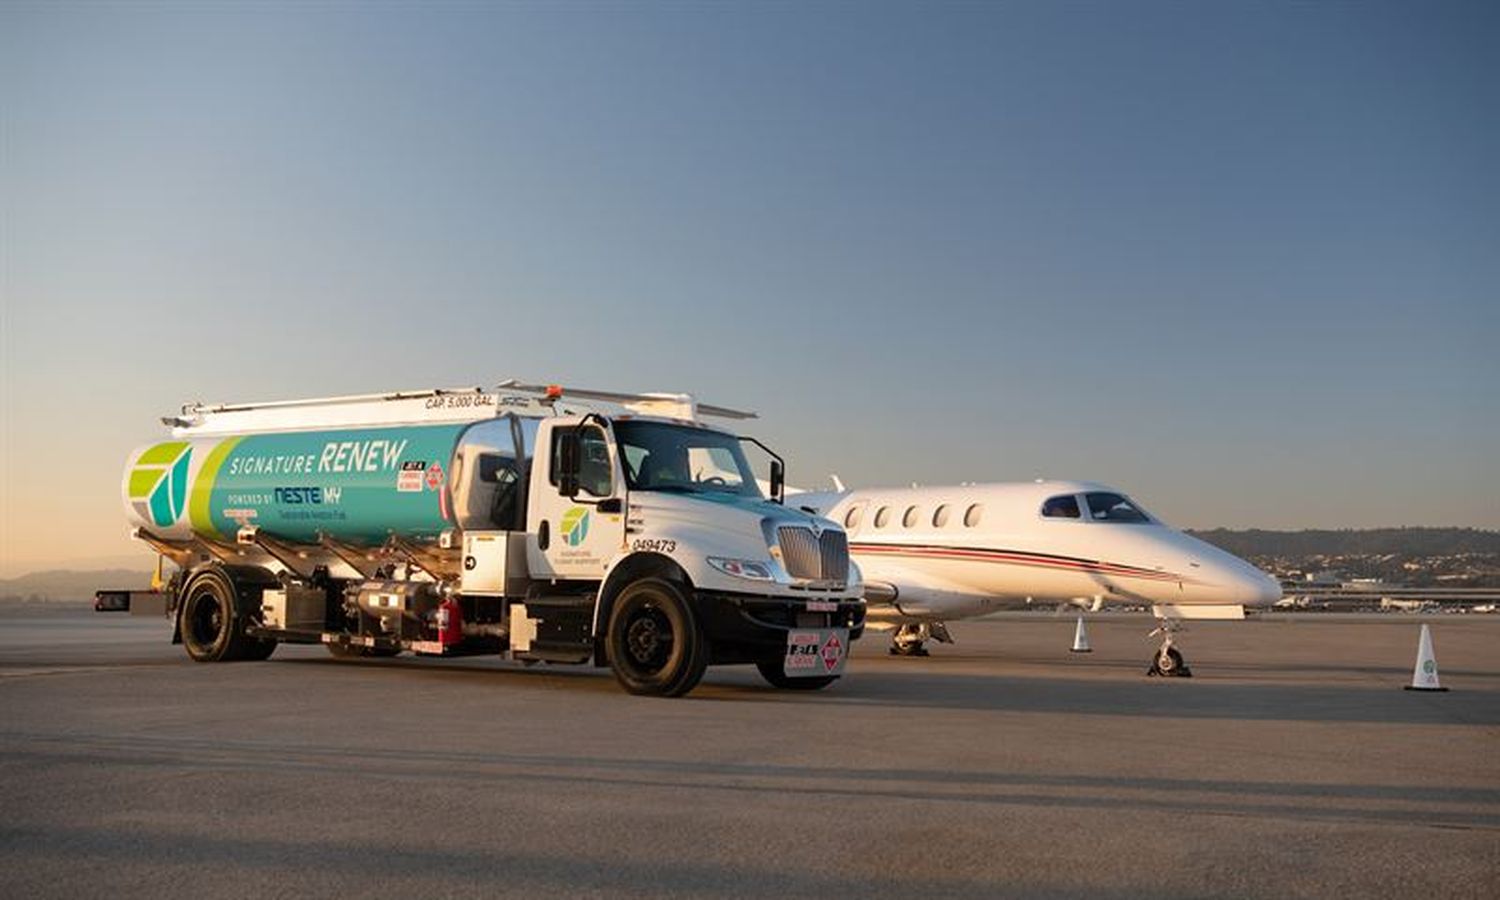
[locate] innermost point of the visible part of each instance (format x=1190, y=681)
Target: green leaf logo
x=575, y=525
x=158, y=482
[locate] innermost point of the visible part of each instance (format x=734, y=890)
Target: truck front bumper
x=751, y=628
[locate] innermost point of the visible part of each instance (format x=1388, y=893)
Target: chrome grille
x=814, y=557
x=835, y=547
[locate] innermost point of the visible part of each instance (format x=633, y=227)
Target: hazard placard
x=832, y=653
x=812, y=652
x=434, y=477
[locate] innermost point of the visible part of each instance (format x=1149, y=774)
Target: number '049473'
x=653, y=545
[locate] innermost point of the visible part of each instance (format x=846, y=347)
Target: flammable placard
x=813, y=652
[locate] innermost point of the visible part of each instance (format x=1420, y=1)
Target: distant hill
x=1257, y=545
x=70, y=584
x=1427, y=542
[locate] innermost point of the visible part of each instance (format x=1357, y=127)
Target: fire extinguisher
x=450, y=622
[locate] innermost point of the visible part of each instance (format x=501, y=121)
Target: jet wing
x=909, y=592
x=1225, y=612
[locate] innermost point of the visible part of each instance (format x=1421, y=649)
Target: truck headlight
x=742, y=568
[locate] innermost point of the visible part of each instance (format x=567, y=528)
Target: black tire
x=214, y=618
x=259, y=649
x=345, y=651
x=1169, y=663
x=773, y=673
x=654, y=644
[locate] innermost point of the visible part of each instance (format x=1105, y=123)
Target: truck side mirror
x=567, y=463
x=778, y=481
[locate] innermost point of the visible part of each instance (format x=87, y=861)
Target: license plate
x=811, y=652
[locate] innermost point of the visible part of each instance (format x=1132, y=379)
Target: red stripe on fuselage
x=1015, y=558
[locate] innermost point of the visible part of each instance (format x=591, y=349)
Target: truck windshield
x=680, y=458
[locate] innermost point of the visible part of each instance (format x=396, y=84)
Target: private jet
x=931, y=555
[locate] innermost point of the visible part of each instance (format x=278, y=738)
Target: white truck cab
x=658, y=531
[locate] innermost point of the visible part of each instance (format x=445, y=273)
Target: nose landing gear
x=910, y=638
x=1168, y=661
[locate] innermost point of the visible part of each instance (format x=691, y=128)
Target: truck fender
x=174, y=599
x=626, y=570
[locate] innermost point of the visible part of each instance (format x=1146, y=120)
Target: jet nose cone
x=1260, y=589
x=1226, y=579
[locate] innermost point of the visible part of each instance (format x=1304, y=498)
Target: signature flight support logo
x=158, y=483
x=575, y=525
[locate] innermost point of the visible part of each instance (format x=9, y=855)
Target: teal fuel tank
x=359, y=485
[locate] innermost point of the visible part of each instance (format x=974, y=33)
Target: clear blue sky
x=1239, y=259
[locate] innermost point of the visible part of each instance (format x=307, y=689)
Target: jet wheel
x=1169, y=663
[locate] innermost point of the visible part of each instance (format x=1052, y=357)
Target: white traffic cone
x=1081, y=638
x=1424, y=676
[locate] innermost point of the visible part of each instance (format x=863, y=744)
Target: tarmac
x=1292, y=765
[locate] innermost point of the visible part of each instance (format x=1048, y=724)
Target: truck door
x=575, y=537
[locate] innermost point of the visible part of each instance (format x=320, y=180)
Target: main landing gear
x=1168, y=661
x=909, y=638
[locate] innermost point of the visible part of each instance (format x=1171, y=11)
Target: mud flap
x=815, y=652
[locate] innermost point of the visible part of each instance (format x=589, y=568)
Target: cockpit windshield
x=680, y=458
x=1063, y=506
x=1107, y=507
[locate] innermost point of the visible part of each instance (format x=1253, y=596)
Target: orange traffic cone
x=1424, y=677
x=1081, y=638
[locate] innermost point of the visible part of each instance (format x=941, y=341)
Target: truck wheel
x=654, y=644
x=213, y=630
x=257, y=649
x=776, y=677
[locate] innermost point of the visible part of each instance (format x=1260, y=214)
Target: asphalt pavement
x=1292, y=765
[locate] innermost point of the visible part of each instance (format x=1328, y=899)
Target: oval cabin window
x=910, y=519
x=971, y=516
x=851, y=518
x=940, y=516
x=882, y=515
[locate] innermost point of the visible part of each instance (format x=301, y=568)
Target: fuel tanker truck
x=524, y=522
